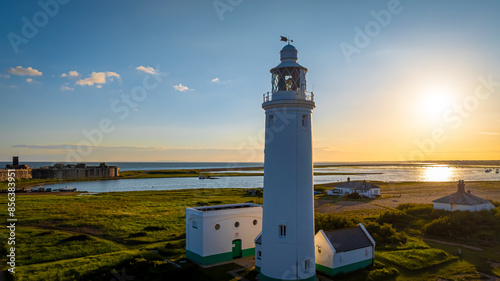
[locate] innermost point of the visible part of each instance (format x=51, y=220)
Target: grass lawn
x=95, y=237
x=67, y=237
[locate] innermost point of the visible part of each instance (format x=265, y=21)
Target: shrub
x=333, y=221
x=437, y=227
x=385, y=234
x=320, y=189
x=382, y=274
x=353, y=195
x=397, y=218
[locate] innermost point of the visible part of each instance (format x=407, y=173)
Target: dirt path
x=454, y=244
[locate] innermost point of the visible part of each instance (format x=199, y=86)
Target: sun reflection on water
x=437, y=173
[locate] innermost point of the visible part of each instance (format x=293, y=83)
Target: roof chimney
x=461, y=186
x=15, y=160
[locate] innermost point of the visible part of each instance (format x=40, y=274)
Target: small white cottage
x=363, y=188
x=221, y=233
x=344, y=250
x=462, y=201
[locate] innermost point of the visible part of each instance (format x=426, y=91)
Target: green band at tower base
x=262, y=277
x=222, y=257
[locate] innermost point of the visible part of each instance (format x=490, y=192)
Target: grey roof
x=462, y=198
x=348, y=239
x=358, y=185
x=258, y=240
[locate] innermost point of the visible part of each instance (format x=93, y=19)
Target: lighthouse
x=287, y=240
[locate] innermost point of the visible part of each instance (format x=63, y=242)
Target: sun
x=436, y=102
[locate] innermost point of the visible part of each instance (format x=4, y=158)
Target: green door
x=237, y=248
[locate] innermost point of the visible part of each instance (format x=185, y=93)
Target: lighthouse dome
x=289, y=52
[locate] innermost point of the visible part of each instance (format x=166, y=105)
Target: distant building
x=73, y=171
x=462, y=201
x=344, y=250
x=21, y=171
x=223, y=232
x=363, y=188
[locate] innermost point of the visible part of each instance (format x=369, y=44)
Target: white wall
x=207, y=241
x=354, y=256
x=457, y=207
x=325, y=256
x=442, y=206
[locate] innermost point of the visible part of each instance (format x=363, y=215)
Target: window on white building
x=270, y=121
x=194, y=224
x=304, y=120
x=282, y=231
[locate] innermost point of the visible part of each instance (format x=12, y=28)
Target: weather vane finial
x=286, y=39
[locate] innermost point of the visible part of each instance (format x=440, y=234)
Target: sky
x=109, y=80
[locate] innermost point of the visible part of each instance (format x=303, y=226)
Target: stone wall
x=75, y=171
x=20, y=174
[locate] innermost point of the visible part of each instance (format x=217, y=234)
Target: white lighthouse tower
x=287, y=240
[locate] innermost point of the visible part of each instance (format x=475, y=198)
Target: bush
x=320, y=189
x=333, y=221
x=382, y=274
x=385, y=234
x=353, y=195
x=397, y=218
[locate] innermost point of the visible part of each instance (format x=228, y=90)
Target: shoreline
x=249, y=171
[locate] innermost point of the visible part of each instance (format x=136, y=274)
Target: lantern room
x=289, y=75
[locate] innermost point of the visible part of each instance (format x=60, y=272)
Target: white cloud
x=182, y=88
x=98, y=78
x=6, y=76
x=112, y=74
x=147, y=69
x=218, y=81
x=66, y=88
x=21, y=71
x=99, y=86
x=29, y=80
x=489, y=133
x=72, y=73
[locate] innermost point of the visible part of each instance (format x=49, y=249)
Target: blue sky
x=207, y=64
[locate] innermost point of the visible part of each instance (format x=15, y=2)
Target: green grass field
x=93, y=237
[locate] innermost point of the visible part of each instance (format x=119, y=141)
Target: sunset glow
x=183, y=81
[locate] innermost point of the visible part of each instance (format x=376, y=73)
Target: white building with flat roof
x=223, y=232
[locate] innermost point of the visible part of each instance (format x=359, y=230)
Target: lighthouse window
x=254, y=222
x=271, y=121
x=282, y=231
x=304, y=120
x=289, y=82
x=237, y=224
x=194, y=224
x=217, y=226
x=307, y=265
x=286, y=79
